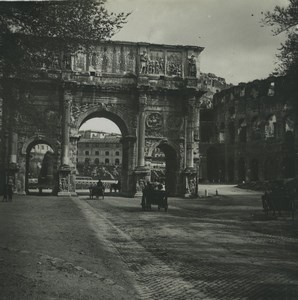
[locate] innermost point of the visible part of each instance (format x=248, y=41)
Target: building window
x=87, y=160
x=107, y=153
x=86, y=152
x=256, y=128
x=87, y=145
x=242, y=131
x=270, y=127
x=117, y=153
x=96, y=152
x=117, y=161
x=96, y=161
x=107, y=161
x=222, y=132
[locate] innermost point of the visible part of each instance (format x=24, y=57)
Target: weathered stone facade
x=149, y=91
x=252, y=134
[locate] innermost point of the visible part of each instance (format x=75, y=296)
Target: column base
x=64, y=181
x=190, y=182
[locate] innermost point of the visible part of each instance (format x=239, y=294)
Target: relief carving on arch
x=120, y=109
x=149, y=143
x=181, y=154
x=154, y=121
x=174, y=122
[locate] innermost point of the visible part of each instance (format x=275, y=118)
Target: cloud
x=236, y=46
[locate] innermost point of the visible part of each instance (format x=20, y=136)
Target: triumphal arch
x=150, y=91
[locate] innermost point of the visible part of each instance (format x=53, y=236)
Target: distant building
x=37, y=154
x=40, y=149
x=100, y=148
x=250, y=133
x=212, y=83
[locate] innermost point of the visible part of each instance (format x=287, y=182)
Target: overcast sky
x=236, y=46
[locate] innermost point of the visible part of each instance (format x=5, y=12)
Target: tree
x=33, y=31
x=285, y=20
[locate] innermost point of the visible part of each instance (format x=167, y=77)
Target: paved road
x=208, y=248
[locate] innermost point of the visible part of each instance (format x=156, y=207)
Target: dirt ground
x=220, y=247
x=48, y=252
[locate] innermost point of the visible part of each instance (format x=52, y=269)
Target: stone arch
x=26, y=148
x=212, y=164
x=127, y=141
x=288, y=123
x=270, y=169
x=231, y=130
x=97, y=112
x=231, y=169
x=172, y=167
x=242, y=131
x=254, y=170
x=256, y=128
x=172, y=160
x=270, y=127
x=34, y=140
x=222, y=132
x=241, y=169
x=289, y=155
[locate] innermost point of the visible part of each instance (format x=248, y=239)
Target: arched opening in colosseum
x=241, y=170
x=270, y=169
x=254, y=170
x=212, y=165
x=289, y=159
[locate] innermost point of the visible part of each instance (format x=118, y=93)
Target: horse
x=96, y=191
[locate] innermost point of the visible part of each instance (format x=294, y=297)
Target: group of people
x=97, y=190
x=154, y=194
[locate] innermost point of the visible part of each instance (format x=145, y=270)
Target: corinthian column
x=190, y=134
x=142, y=174
x=64, y=170
x=190, y=170
x=67, y=99
x=141, y=131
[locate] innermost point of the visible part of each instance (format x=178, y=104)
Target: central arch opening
x=100, y=152
x=164, y=167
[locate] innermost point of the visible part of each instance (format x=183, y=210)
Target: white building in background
x=41, y=149
x=101, y=148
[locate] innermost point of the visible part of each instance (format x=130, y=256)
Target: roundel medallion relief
x=174, y=122
x=154, y=121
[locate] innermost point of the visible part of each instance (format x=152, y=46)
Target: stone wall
x=255, y=131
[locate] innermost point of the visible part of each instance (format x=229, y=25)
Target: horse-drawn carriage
x=97, y=190
x=153, y=196
x=281, y=195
